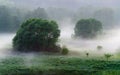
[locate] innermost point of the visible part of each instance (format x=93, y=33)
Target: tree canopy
x=87, y=28
x=37, y=35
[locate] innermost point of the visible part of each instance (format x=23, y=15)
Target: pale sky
x=62, y=3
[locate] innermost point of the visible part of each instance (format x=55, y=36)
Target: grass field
x=57, y=65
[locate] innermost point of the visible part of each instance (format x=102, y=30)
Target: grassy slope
x=58, y=65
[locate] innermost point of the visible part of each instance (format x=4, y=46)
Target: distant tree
x=106, y=16
x=87, y=28
x=84, y=12
x=37, y=13
x=37, y=35
x=59, y=13
x=10, y=19
x=5, y=18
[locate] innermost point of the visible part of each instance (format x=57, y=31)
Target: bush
x=37, y=35
x=65, y=50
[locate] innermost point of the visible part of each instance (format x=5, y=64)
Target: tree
x=107, y=56
x=37, y=13
x=10, y=19
x=4, y=18
x=37, y=35
x=84, y=13
x=106, y=16
x=87, y=28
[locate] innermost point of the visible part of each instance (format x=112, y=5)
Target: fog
x=72, y=4
x=5, y=44
x=109, y=40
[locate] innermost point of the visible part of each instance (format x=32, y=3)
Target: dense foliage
x=37, y=35
x=87, y=28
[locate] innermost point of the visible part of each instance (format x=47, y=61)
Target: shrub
x=65, y=50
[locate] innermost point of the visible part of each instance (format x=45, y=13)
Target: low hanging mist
x=110, y=41
x=66, y=14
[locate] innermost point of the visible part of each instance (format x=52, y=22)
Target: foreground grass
x=57, y=65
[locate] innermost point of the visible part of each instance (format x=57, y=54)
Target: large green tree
x=87, y=28
x=37, y=35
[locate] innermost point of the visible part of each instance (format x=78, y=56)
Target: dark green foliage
x=65, y=50
x=37, y=35
x=87, y=28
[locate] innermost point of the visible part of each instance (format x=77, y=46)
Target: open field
x=57, y=65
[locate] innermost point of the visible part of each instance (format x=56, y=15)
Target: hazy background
x=66, y=13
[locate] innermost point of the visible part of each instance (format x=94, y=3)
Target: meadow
x=58, y=65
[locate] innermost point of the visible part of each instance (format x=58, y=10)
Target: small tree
x=87, y=28
x=37, y=35
x=107, y=56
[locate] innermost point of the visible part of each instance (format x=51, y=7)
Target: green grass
x=58, y=65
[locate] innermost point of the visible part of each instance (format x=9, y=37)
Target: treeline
x=11, y=17
x=108, y=16
x=105, y=15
